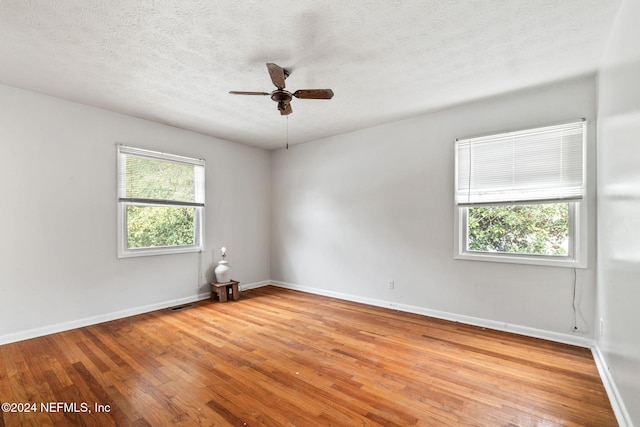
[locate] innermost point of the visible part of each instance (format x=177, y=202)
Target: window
x=520, y=196
x=160, y=203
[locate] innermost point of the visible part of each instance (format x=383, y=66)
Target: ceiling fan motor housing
x=281, y=95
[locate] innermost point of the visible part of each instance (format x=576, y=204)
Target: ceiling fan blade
x=314, y=94
x=236, y=92
x=277, y=75
x=286, y=110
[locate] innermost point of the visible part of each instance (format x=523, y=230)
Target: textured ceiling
x=174, y=62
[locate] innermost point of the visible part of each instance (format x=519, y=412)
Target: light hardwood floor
x=278, y=357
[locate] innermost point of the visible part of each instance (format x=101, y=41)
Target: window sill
x=131, y=253
x=516, y=259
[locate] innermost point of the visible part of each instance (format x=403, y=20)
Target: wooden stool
x=222, y=290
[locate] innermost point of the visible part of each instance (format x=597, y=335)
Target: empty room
x=320, y=213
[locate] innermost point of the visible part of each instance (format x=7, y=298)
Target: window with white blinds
x=536, y=165
x=161, y=198
x=520, y=196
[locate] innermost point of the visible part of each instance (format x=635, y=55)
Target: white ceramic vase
x=223, y=272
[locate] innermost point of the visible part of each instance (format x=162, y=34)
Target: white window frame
x=123, y=251
x=577, y=233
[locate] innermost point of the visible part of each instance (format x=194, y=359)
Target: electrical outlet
x=601, y=326
x=392, y=284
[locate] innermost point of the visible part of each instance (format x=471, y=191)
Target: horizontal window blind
x=536, y=165
x=161, y=179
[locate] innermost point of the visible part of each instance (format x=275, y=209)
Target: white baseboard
x=619, y=409
x=254, y=285
x=87, y=321
x=475, y=321
x=523, y=330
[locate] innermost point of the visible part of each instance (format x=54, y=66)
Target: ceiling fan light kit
x=283, y=97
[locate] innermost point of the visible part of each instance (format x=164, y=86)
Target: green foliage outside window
x=159, y=226
x=539, y=229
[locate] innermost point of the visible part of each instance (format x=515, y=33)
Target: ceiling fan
x=283, y=97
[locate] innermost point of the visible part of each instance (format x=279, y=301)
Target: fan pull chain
x=287, y=131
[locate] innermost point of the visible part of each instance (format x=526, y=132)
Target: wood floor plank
x=280, y=357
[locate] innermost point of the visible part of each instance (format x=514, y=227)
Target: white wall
x=58, y=265
x=618, y=206
x=352, y=212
